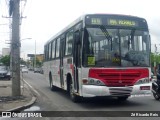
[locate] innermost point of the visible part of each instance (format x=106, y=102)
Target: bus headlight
x=142, y=81
x=92, y=81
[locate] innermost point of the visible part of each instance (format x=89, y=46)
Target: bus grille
x=118, y=77
x=125, y=91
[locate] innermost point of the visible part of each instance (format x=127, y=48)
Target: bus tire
x=75, y=98
x=68, y=83
x=52, y=87
x=123, y=98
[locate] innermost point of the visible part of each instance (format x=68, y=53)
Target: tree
x=38, y=63
x=5, y=60
x=155, y=60
x=23, y=62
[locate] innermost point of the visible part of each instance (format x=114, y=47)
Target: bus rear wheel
x=52, y=87
x=75, y=98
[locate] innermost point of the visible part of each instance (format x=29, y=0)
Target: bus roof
x=82, y=17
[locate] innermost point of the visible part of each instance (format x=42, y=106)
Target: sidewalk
x=10, y=103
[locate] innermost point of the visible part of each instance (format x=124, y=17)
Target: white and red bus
x=100, y=55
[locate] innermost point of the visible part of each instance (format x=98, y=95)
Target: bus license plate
x=144, y=87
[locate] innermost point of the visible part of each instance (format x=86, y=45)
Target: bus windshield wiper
x=106, y=34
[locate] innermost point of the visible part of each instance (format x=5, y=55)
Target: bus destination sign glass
x=120, y=22
x=114, y=22
x=96, y=21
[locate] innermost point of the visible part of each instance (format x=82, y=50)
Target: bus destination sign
x=114, y=22
x=119, y=22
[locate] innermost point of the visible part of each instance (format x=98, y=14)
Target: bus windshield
x=122, y=47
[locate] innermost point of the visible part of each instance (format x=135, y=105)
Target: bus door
x=62, y=46
x=76, y=60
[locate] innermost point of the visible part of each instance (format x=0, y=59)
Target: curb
x=24, y=106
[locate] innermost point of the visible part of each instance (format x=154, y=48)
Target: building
x=5, y=51
x=39, y=59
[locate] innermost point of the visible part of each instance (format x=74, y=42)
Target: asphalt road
x=60, y=101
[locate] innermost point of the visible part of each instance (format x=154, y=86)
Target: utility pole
x=155, y=55
x=15, y=49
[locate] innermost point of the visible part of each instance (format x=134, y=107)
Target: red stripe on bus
x=72, y=68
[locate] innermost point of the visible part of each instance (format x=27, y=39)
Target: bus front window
x=115, y=47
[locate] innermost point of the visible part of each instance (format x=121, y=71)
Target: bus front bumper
x=93, y=91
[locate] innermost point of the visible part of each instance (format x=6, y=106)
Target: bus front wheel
x=124, y=98
x=73, y=96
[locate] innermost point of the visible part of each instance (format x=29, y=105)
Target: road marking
x=32, y=88
x=147, y=95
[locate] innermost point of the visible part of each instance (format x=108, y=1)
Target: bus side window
x=57, y=47
x=69, y=43
x=53, y=49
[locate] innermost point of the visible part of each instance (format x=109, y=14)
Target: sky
x=45, y=18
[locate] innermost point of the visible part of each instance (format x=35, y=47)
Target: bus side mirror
x=77, y=37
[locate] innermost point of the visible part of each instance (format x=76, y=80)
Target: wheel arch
x=50, y=77
x=69, y=81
